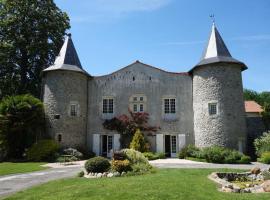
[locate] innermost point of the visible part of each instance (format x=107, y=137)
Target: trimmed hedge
x=43, y=150
x=214, y=154
x=97, y=165
x=154, y=156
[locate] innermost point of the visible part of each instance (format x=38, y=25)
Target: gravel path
x=182, y=163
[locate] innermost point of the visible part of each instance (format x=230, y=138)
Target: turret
x=65, y=98
x=218, y=103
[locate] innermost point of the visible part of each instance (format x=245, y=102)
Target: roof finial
x=212, y=16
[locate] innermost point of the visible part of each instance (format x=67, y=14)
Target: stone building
x=204, y=106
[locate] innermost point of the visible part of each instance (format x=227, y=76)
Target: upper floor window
x=212, y=108
x=137, y=103
x=107, y=105
x=73, y=109
x=169, y=106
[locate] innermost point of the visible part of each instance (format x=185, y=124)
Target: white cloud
x=107, y=10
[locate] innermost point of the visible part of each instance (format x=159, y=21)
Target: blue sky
x=169, y=34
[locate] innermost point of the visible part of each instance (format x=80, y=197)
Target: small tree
x=262, y=144
x=21, y=120
x=127, y=126
x=138, y=142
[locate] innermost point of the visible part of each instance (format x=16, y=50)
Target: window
x=135, y=109
x=73, y=110
x=137, y=103
x=141, y=107
x=107, y=105
x=169, y=106
x=59, y=138
x=110, y=142
x=212, y=107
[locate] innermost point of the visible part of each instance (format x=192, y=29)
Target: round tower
x=65, y=98
x=218, y=103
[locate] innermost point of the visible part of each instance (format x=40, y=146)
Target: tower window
x=212, y=108
x=73, y=110
x=59, y=138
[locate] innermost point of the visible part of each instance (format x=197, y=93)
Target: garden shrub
x=139, y=164
x=265, y=157
x=134, y=156
x=262, y=144
x=121, y=165
x=244, y=160
x=97, y=165
x=189, y=151
x=231, y=156
x=266, y=174
x=43, y=150
x=80, y=174
x=154, y=156
x=214, y=154
x=138, y=142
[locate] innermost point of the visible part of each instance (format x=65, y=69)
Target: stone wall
x=154, y=84
x=62, y=88
x=221, y=84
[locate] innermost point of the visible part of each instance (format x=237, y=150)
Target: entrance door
x=107, y=145
x=170, y=145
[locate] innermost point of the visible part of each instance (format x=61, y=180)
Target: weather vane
x=212, y=16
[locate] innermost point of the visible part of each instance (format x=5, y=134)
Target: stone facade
x=77, y=103
x=220, y=84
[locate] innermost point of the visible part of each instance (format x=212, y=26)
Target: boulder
x=255, y=170
x=99, y=175
x=110, y=175
x=266, y=186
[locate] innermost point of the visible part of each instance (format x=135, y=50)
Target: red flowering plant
x=127, y=125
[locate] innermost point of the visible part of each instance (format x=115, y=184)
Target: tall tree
x=31, y=34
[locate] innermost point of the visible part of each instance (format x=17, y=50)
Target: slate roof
x=253, y=107
x=216, y=51
x=67, y=59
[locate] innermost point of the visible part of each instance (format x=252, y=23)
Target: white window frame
x=136, y=102
x=169, y=109
x=109, y=107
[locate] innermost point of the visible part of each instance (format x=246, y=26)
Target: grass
x=14, y=168
x=180, y=184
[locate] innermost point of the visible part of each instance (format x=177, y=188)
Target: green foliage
x=244, y=160
x=97, y=165
x=21, y=120
x=154, y=156
x=134, y=156
x=189, y=151
x=213, y=154
x=73, y=153
x=138, y=141
x=31, y=34
x=121, y=165
x=262, y=144
x=138, y=162
x=265, y=157
x=43, y=150
x=80, y=174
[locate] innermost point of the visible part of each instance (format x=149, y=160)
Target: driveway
x=13, y=183
x=182, y=163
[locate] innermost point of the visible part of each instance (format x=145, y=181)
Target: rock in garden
x=266, y=186
x=255, y=170
x=99, y=175
x=225, y=189
x=123, y=173
x=116, y=174
x=110, y=175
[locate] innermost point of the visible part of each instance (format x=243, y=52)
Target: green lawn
x=14, y=168
x=169, y=184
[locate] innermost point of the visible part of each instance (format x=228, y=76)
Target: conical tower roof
x=216, y=51
x=67, y=59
